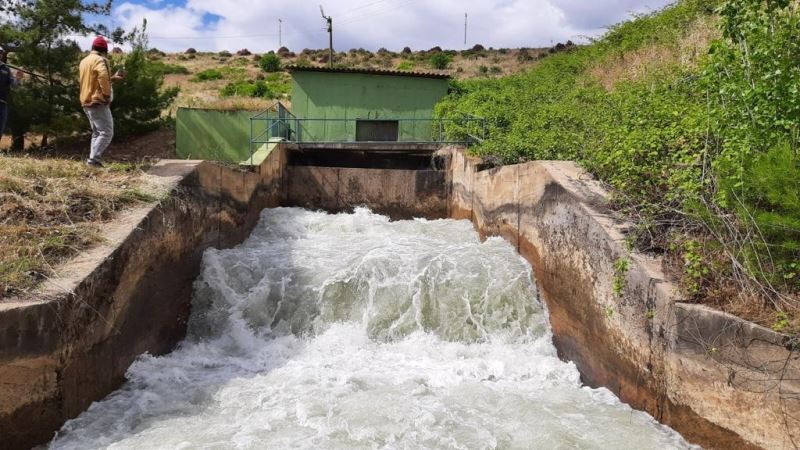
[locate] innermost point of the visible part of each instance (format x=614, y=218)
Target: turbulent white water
x=350, y=331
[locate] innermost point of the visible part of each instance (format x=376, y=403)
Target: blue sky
x=217, y=25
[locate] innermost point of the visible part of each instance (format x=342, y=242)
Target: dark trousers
x=3, y=118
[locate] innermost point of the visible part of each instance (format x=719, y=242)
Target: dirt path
x=152, y=146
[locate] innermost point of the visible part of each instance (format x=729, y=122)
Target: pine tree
x=38, y=33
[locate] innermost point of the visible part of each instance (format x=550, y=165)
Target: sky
x=215, y=25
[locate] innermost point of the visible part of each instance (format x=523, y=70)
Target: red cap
x=100, y=42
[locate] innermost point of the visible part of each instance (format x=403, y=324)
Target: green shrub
x=270, y=62
x=406, y=65
x=771, y=202
x=440, y=60
x=139, y=99
x=247, y=89
x=167, y=69
x=207, y=75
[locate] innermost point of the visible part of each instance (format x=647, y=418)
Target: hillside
x=690, y=116
x=203, y=77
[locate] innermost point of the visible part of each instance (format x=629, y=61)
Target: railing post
x=251, y=141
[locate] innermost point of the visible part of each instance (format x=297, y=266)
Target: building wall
x=213, y=135
x=322, y=95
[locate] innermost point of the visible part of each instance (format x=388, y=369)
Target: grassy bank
x=690, y=115
x=52, y=209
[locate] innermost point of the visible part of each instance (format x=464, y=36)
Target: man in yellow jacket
x=96, y=97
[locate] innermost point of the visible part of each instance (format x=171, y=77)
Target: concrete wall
x=400, y=194
x=72, y=342
x=720, y=381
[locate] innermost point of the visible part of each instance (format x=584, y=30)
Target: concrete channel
x=720, y=381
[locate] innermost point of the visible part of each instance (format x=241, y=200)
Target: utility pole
x=329, y=20
x=465, y=30
x=280, y=40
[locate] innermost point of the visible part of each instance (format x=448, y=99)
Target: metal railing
x=278, y=122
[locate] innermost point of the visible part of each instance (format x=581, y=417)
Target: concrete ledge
x=72, y=342
x=720, y=381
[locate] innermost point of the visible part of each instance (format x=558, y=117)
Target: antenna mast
x=329, y=20
x=465, y=30
x=280, y=40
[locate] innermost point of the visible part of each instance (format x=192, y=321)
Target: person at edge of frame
x=96, y=97
x=6, y=83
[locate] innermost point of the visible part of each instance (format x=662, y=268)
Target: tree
x=51, y=107
x=270, y=62
x=37, y=30
x=139, y=98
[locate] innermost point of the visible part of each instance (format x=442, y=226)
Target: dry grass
x=205, y=94
x=235, y=103
x=52, y=209
x=651, y=60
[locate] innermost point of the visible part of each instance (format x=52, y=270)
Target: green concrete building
x=213, y=135
x=346, y=105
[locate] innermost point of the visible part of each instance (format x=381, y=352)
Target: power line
x=357, y=8
x=371, y=14
x=215, y=37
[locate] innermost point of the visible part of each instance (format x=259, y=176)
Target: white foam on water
x=351, y=331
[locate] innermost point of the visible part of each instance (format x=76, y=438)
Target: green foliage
x=440, y=60
x=753, y=79
x=48, y=107
x=139, y=98
x=695, y=267
x=781, y=322
x=270, y=62
x=406, y=65
x=713, y=147
x=207, y=75
x=770, y=204
x=52, y=108
x=163, y=68
x=247, y=89
x=621, y=267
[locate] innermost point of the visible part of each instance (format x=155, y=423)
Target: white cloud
x=393, y=24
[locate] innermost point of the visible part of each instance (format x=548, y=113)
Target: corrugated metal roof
x=397, y=73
